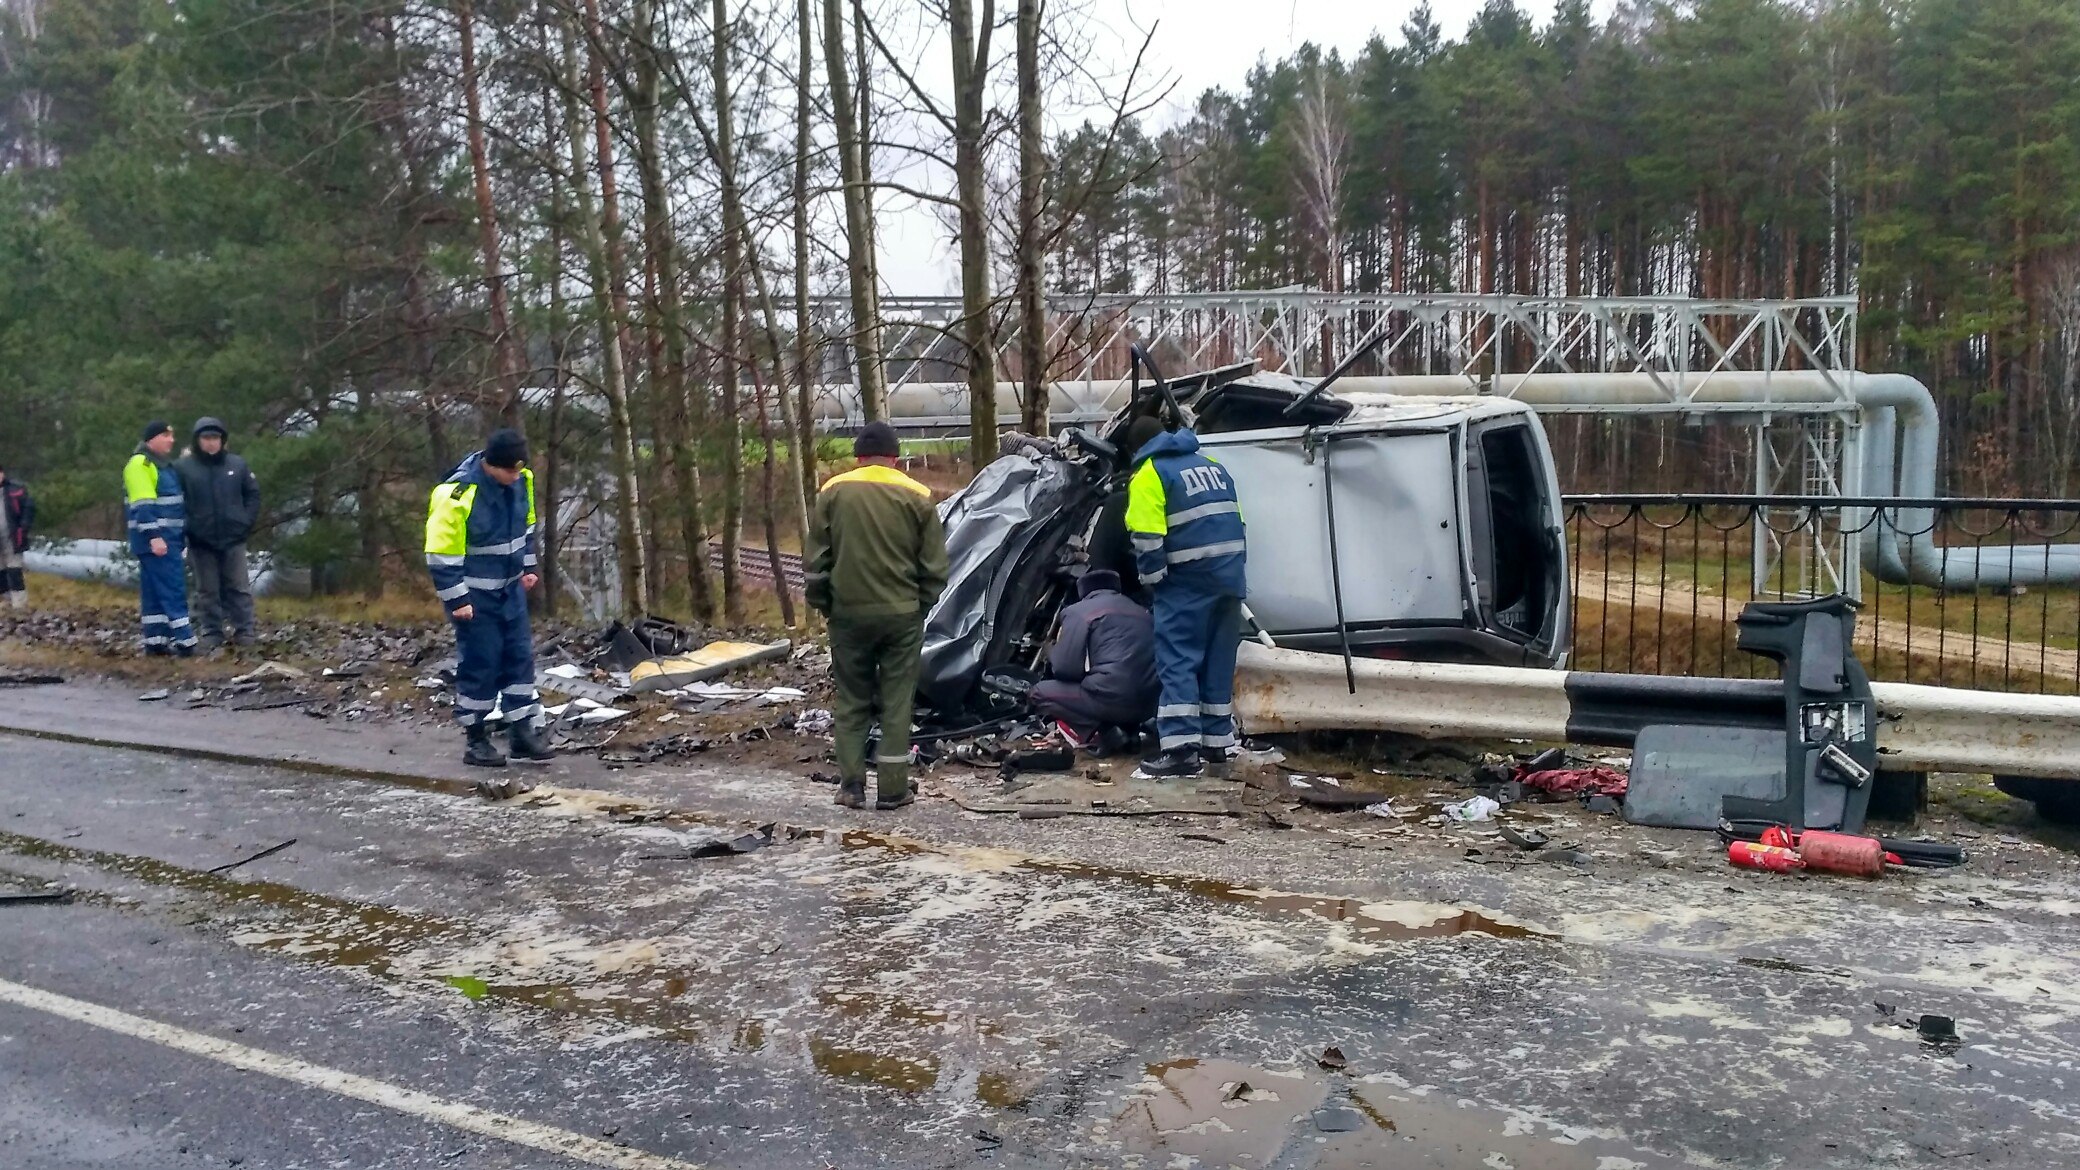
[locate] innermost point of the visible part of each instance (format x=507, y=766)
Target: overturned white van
x=1379, y=525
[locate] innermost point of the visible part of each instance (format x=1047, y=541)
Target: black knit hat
x=876, y=440
x=1096, y=580
x=154, y=429
x=1139, y=432
x=505, y=448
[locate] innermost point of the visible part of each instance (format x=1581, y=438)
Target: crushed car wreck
x=1380, y=526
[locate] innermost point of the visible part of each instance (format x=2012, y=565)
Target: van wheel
x=2057, y=801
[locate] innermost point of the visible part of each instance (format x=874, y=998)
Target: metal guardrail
x=1919, y=728
x=1658, y=580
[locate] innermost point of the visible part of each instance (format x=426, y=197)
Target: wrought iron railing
x=1658, y=580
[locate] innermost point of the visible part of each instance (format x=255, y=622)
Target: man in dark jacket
x=877, y=561
x=17, y=514
x=1110, y=547
x=481, y=533
x=223, y=500
x=1103, y=664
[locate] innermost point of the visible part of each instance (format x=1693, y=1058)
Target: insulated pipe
x=111, y=561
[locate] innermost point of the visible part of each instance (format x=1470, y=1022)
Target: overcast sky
x=1199, y=44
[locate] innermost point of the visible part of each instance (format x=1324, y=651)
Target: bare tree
x=724, y=145
x=859, y=238
x=2062, y=399
x=806, y=345
x=505, y=342
x=684, y=412
x=1322, y=141
x=971, y=61
x=599, y=232
x=1032, y=169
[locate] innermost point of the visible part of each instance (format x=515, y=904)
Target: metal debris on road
x=270, y=851
x=35, y=897
x=155, y=696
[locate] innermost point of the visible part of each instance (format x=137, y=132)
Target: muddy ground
x=945, y=987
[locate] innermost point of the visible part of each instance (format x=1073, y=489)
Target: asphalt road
x=428, y=979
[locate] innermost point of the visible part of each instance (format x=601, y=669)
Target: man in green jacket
x=877, y=561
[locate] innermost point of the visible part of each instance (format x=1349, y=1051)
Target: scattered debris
x=750, y=842
x=1384, y=809
x=1471, y=810
x=272, y=669
x=1047, y=759
x=1939, y=1032
x=502, y=787
x=681, y=745
x=270, y=851
x=1525, y=839
x=1332, y=1059
x=155, y=696
x=351, y=669
x=1593, y=780
x=32, y=897
x=711, y=661
x=29, y=680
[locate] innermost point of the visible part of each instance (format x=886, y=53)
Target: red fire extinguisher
x=1774, y=858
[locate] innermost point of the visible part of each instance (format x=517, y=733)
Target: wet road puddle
x=630, y=985
x=1223, y=1113
x=1370, y=921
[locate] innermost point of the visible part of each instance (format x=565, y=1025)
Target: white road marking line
x=331, y=1080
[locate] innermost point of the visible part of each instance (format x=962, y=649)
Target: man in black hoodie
x=1103, y=667
x=223, y=500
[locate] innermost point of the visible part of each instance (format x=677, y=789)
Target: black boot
x=1176, y=764
x=184, y=650
x=527, y=744
x=1215, y=761
x=851, y=794
x=480, y=753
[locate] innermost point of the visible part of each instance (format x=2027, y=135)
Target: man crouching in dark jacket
x=1103, y=667
x=223, y=500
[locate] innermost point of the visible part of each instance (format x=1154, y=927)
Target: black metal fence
x=1954, y=592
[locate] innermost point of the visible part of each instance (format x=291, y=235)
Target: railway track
x=758, y=565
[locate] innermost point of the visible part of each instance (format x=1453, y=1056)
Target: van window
x=1518, y=556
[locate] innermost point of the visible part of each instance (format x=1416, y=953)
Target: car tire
x=2057, y=801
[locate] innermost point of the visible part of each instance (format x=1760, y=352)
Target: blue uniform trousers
x=162, y=594
x=1197, y=635
x=495, y=660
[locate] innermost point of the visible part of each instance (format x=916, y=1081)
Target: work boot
x=886, y=803
x=1216, y=762
x=157, y=652
x=480, y=753
x=851, y=794
x=185, y=650
x=525, y=740
x=1181, y=763
x=1112, y=740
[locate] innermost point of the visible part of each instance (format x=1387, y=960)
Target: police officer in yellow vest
x=154, y=514
x=480, y=548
